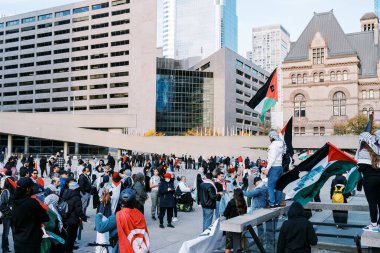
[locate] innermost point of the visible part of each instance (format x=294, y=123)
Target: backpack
x=63, y=209
x=337, y=196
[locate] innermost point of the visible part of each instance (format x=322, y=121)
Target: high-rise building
x=95, y=56
x=377, y=7
x=249, y=56
x=270, y=45
x=198, y=28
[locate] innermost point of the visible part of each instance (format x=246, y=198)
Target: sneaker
x=174, y=219
x=170, y=226
x=277, y=205
x=162, y=226
x=272, y=207
x=153, y=218
x=372, y=228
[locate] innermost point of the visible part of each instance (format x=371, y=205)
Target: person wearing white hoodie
x=274, y=168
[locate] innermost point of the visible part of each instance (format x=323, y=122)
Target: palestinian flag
x=354, y=176
x=286, y=133
x=326, y=162
x=305, y=155
x=266, y=96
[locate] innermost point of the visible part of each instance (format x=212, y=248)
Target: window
x=26, y=83
x=42, y=63
x=98, y=76
x=120, y=22
x=100, y=6
x=13, y=22
x=321, y=77
x=30, y=37
x=120, y=53
x=81, y=19
x=345, y=75
x=62, y=13
x=364, y=94
x=79, y=58
x=80, y=10
x=118, y=64
x=62, y=60
x=339, y=104
x=6, y=85
x=44, y=44
x=98, y=86
x=119, y=85
x=299, y=106
x=28, y=20
x=118, y=74
x=43, y=35
x=119, y=2
x=44, y=53
x=60, y=80
x=42, y=100
x=46, y=25
x=28, y=28
x=46, y=81
x=299, y=78
x=304, y=78
x=102, y=45
x=332, y=76
x=99, y=26
x=339, y=76
x=59, y=109
x=98, y=107
x=76, y=49
x=27, y=65
x=44, y=17
x=62, y=51
x=102, y=15
x=294, y=80
x=82, y=38
x=9, y=94
x=11, y=58
x=99, y=66
x=370, y=111
x=101, y=96
x=76, y=88
x=318, y=55
x=99, y=56
x=79, y=68
x=25, y=92
x=61, y=99
x=79, y=29
x=120, y=12
x=118, y=106
x=24, y=56
x=315, y=78
x=11, y=49
x=43, y=72
x=62, y=70
x=98, y=36
x=119, y=43
x=78, y=78
x=12, y=31
x=370, y=94
x=122, y=32
x=60, y=32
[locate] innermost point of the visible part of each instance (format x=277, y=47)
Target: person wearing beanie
x=27, y=233
x=274, y=168
x=166, y=191
x=115, y=189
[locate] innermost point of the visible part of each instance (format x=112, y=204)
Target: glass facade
x=198, y=27
x=184, y=100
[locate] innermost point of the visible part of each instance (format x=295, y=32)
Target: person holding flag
x=128, y=229
x=274, y=168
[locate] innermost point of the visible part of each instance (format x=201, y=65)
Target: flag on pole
x=266, y=96
x=326, y=162
x=287, y=134
x=354, y=176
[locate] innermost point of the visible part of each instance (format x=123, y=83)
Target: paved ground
x=169, y=240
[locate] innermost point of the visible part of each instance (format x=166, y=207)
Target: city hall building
x=90, y=57
x=331, y=76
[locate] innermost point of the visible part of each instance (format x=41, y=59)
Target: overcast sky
x=292, y=14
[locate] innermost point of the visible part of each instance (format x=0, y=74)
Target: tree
x=153, y=133
x=354, y=126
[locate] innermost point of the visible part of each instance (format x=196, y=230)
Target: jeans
x=72, y=231
x=155, y=203
x=217, y=214
x=7, y=223
x=85, y=201
x=207, y=217
x=274, y=195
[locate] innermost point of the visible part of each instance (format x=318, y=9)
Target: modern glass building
x=377, y=7
x=198, y=28
x=184, y=99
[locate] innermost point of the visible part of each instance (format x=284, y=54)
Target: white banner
x=210, y=240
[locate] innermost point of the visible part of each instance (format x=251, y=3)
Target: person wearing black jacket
x=297, y=233
x=84, y=182
x=27, y=217
x=339, y=216
x=208, y=193
x=167, y=202
x=111, y=161
x=43, y=162
x=75, y=213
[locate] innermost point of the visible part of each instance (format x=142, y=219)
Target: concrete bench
x=371, y=240
x=337, y=206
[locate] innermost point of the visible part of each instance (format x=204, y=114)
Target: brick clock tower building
x=331, y=76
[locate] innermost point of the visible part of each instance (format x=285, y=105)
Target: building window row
x=319, y=77
x=370, y=94
x=367, y=111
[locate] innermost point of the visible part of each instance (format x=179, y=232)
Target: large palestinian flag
x=266, y=96
x=326, y=162
x=354, y=176
x=286, y=133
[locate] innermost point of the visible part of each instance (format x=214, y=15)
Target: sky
x=293, y=15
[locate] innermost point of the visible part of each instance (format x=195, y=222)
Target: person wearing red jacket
x=127, y=228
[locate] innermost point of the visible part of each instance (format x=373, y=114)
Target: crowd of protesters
x=224, y=186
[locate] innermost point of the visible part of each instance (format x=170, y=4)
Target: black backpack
x=63, y=209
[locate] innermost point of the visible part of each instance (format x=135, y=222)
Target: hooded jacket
x=28, y=215
x=74, y=202
x=276, y=149
x=297, y=233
